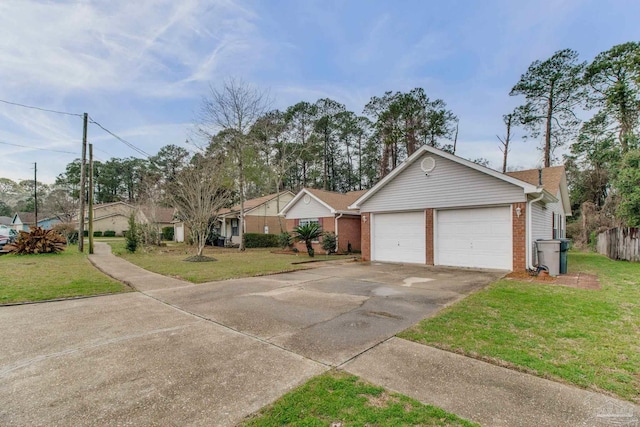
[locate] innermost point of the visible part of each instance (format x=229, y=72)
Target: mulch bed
x=573, y=280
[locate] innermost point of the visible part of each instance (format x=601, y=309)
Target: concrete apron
x=130, y=360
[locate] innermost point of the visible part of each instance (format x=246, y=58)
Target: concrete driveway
x=205, y=354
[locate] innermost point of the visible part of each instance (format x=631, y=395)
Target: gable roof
x=554, y=180
x=25, y=217
x=162, y=215
x=335, y=202
x=252, y=203
x=527, y=187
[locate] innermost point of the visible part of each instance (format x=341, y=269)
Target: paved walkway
x=484, y=393
x=130, y=274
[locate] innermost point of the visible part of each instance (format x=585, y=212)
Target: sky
x=141, y=68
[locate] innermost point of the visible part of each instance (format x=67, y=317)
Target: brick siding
x=519, y=237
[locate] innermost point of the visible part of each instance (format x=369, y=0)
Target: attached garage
x=399, y=237
x=477, y=238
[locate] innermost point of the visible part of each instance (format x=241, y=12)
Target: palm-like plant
x=307, y=233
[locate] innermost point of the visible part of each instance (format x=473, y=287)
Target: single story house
x=439, y=209
x=112, y=216
x=331, y=211
x=23, y=221
x=260, y=216
x=163, y=217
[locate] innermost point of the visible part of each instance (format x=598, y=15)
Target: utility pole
x=82, y=183
x=91, y=199
x=35, y=192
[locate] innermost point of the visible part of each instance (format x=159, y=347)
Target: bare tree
x=232, y=110
x=508, y=119
x=198, y=192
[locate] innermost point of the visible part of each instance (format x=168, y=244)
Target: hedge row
x=257, y=240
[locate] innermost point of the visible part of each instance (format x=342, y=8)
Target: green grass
x=50, y=276
x=338, y=397
x=231, y=263
x=585, y=337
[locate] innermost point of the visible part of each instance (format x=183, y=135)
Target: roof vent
x=428, y=164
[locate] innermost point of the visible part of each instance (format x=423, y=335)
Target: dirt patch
x=573, y=280
x=200, y=258
x=381, y=401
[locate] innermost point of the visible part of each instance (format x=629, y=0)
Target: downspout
x=336, y=228
x=529, y=231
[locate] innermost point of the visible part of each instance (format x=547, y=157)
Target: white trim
x=298, y=196
x=528, y=188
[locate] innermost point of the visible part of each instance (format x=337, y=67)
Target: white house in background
x=439, y=209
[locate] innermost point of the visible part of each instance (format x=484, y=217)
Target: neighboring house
x=5, y=220
x=260, y=216
x=113, y=217
x=331, y=211
x=164, y=217
x=440, y=209
x=48, y=223
x=23, y=221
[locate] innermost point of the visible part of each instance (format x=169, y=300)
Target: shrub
x=97, y=234
x=131, y=237
x=285, y=240
x=307, y=233
x=329, y=241
x=167, y=233
x=67, y=230
x=38, y=241
x=148, y=234
x=109, y=233
x=258, y=240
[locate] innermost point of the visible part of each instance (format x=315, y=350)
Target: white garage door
x=399, y=237
x=474, y=238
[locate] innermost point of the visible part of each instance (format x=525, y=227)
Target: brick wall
x=429, y=236
x=349, y=232
x=327, y=224
x=365, y=235
x=519, y=236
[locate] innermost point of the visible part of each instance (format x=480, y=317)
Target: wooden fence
x=620, y=243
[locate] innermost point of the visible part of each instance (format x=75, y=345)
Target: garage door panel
x=479, y=238
x=399, y=237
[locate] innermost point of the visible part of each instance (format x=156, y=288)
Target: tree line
x=324, y=145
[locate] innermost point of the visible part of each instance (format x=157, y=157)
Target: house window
x=266, y=229
x=235, y=230
x=558, y=230
x=305, y=221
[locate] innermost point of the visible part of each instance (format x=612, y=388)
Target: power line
x=40, y=109
x=38, y=148
x=127, y=143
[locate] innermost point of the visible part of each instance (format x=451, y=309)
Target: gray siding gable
x=302, y=210
x=449, y=184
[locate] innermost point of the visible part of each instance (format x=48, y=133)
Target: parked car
x=7, y=235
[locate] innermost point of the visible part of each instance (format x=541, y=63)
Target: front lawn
x=50, y=276
x=345, y=400
x=231, y=263
x=585, y=337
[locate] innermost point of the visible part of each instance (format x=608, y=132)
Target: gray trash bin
x=549, y=255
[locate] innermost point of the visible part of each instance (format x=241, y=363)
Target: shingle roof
x=161, y=215
x=27, y=217
x=5, y=220
x=338, y=201
x=551, y=177
x=250, y=204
